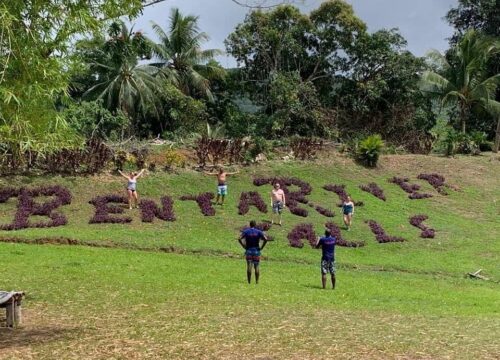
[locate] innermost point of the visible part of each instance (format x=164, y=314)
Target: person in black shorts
x=252, y=237
x=327, y=244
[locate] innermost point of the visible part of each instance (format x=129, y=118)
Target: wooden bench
x=11, y=301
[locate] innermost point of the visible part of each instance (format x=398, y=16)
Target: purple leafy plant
x=380, y=234
x=436, y=181
x=149, y=210
x=204, y=201
x=293, y=198
x=417, y=221
x=26, y=206
x=335, y=231
x=374, y=189
x=300, y=232
x=104, y=207
x=325, y=212
x=409, y=188
x=342, y=194
x=251, y=198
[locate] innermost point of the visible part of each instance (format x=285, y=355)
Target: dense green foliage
x=35, y=39
x=308, y=74
x=369, y=149
x=462, y=80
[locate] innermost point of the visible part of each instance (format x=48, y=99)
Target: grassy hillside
x=407, y=299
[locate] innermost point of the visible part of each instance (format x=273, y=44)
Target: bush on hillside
x=92, y=120
x=369, y=150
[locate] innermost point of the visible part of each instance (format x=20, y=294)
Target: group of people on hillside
x=254, y=240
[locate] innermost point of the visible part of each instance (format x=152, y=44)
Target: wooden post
x=18, y=314
x=10, y=309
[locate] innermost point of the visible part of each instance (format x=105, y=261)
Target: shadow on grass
x=23, y=337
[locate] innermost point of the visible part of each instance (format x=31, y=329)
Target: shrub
x=257, y=146
x=342, y=194
x=305, y=147
x=103, y=209
x=236, y=150
x=141, y=155
x=300, y=232
x=369, y=150
x=173, y=159
x=204, y=201
x=149, y=210
x=26, y=206
x=323, y=211
x=436, y=181
x=248, y=199
x=380, y=234
x=120, y=158
x=417, y=221
x=335, y=231
x=90, y=160
x=293, y=198
x=373, y=189
x=409, y=188
x=92, y=120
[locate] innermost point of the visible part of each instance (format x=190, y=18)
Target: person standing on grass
x=348, y=212
x=327, y=244
x=277, y=202
x=252, y=237
x=221, y=184
x=132, y=187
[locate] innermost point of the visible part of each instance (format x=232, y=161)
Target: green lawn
x=399, y=300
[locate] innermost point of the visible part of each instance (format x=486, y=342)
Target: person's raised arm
x=318, y=242
x=122, y=174
x=140, y=173
x=232, y=173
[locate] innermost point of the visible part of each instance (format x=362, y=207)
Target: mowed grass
x=94, y=303
x=401, y=300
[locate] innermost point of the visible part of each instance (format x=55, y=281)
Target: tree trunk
x=463, y=117
x=497, y=137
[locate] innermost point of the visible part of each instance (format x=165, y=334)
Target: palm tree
x=121, y=82
x=460, y=78
x=180, y=51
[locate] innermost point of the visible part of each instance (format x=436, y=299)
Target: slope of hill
x=404, y=299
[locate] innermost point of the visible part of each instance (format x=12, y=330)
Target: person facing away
x=250, y=240
x=277, y=202
x=221, y=184
x=327, y=244
x=348, y=212
x=133, y=197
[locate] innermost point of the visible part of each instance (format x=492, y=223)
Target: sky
x=419, y=21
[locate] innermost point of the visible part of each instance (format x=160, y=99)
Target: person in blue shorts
x=250, y=241
x=327, y=244
x=221, y=185
x=348, y=212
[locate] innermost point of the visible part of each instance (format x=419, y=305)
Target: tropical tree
x=459, y=78
x=119, y=80
x=35, y=39
x=180, y=54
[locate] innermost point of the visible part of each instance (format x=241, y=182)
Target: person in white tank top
x=133, y=197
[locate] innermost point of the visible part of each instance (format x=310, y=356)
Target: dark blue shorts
x=253, y=255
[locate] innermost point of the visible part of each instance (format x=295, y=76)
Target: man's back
x=252, y=237
x=328, y=247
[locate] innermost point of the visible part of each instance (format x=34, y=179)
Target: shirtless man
x=277, y=202
x=221, y=184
